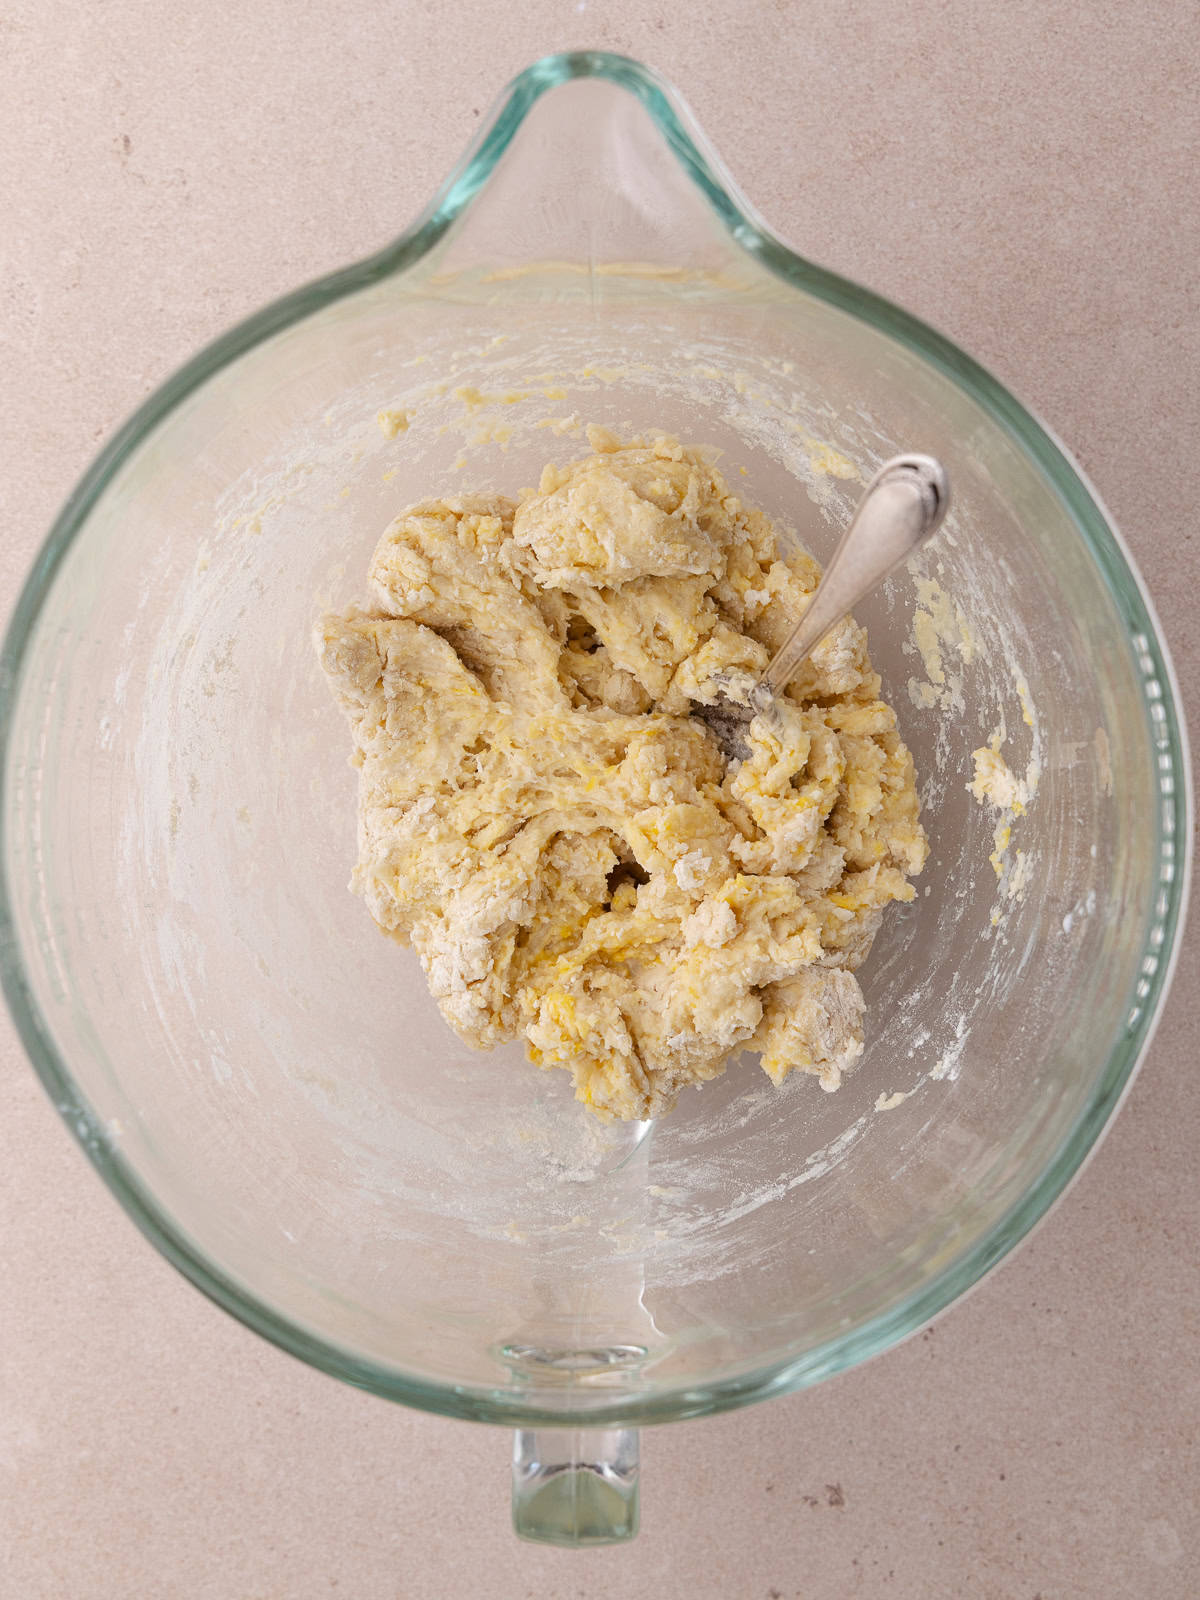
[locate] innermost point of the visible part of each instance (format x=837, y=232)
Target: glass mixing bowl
x=264, y=1082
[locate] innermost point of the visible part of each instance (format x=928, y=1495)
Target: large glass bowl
x=264, y=1082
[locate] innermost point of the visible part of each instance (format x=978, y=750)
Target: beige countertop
x=1022, y=179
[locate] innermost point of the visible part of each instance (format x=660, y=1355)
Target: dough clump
x=562, y=843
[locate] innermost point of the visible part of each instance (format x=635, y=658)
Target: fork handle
x=901, y=507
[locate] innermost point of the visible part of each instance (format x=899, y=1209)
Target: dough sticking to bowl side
x=561, y=842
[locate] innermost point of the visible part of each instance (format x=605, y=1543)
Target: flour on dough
x=561, y=842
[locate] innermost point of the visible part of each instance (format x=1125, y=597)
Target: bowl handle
x=575, y=1486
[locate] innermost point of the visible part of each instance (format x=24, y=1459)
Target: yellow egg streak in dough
x=562, y=843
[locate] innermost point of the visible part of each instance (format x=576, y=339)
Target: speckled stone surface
x=1023, y=178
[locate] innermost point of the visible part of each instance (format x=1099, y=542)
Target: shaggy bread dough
x=560, y=840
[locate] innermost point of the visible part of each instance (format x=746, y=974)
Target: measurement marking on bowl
x=574, y=1362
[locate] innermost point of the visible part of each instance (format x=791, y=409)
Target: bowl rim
x=1098, y=532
